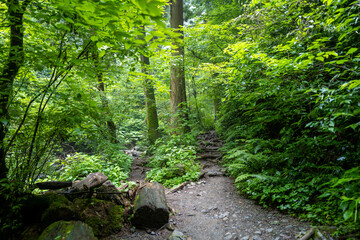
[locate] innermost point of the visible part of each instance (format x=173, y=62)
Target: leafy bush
x=116, y=167
x=174, y=162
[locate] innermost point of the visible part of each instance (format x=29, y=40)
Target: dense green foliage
x=174, y=160
x=279, y=79
x=116, y=167
x=290, y=103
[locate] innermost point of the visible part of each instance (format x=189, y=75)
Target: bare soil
x=212, y=209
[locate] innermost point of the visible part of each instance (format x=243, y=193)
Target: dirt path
x=211, y=209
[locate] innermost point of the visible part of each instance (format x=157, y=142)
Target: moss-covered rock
x=60, y=208
x=104, y=217
x=63, y=230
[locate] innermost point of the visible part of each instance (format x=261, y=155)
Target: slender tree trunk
x=13, y=63
x=198, y=115
x=105, y=104
x=150, y=102
x=177, y=84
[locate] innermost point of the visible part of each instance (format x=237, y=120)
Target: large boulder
x=60, y=208
x=63, y=230
x=151, y=210
x=104, y=217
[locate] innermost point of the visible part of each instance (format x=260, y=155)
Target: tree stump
x=151, y=210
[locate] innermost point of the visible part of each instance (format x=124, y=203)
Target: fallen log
x=93, y=180
x=151, y=210
x=53, y=185
x=175, y=189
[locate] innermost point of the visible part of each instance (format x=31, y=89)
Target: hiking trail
x=212, y=209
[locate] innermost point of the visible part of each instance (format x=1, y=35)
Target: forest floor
x=212, y=209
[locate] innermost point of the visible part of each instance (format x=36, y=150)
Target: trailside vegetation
x=288, y=73
x=81, y=81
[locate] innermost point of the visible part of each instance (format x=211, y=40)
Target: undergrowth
x=116, y=166
x=174, y=160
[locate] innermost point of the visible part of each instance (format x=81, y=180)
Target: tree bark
x=177, y=83
x=13, y=63
x=105, y=104
x=150, y=102
x=151, y=210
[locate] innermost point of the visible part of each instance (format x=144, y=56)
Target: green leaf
x=348, y=214
x=102, y=53
x=351, y=50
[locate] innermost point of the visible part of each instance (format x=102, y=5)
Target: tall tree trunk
x=11, y=68
x=177, y=84
x=150, y=102
x=105, y=104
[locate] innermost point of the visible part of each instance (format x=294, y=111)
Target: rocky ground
x=212, y=209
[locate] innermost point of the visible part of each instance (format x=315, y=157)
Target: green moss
x=60, y=209
x=67, y=231
x=97, y=224
x=116, y=217
x=104, y=217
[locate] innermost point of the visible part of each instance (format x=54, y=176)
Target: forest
x=81, y=81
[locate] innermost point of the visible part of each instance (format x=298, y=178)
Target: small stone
x=170, y=227
x=245, y=238
x=230, y=236
x=191, y=192
x=177, y=235
x=153, y=233
x=225, y=214
x=257, y=232
x=225, y=218
x=269, y=230
x=192, y=184
x=234, y=216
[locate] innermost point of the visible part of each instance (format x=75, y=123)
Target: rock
x=223, y=215
x=177, y=235
x=245, y=238
x=104, y=217
x=34, y=207
x=60, y=208
x=230, y=236
x=68, y=231
x=108, y=187
x=151, y=210
x=257, y=232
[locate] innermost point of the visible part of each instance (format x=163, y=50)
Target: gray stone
x=177, y=235
x=245, y=238
x=230, y=236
